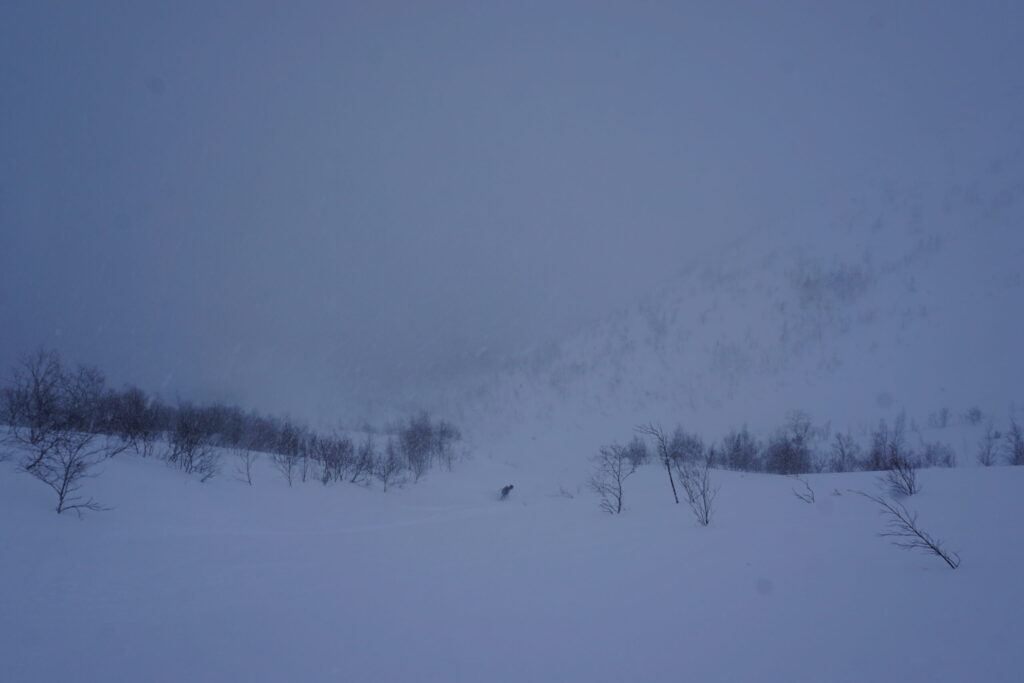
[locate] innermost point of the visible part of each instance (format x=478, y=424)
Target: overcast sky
x=293, y=205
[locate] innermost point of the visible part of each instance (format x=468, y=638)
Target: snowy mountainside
x=895, y=303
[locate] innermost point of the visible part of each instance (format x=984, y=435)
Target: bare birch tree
x=612, y=466
x=661, y=444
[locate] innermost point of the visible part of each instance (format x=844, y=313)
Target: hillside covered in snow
x=417, y=342
x=905, y=301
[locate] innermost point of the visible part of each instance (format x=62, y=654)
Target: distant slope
x=908, y=298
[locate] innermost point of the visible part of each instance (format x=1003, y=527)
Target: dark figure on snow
x=505, y=490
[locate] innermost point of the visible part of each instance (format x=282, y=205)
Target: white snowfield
x=183, y=581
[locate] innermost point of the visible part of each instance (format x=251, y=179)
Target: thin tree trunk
x=668, y=468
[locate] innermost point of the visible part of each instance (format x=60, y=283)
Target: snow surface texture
x=183, y=581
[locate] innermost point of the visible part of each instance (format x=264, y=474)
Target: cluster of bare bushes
x=64, y=421
x=797, y=447
x=682, y=455
x=404, y=451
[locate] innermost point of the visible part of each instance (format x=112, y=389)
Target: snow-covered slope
x=183, y=581
x=905, y=299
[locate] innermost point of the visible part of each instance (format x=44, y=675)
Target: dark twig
x=903, y=529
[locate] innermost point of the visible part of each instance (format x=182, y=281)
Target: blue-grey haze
x=302, y=205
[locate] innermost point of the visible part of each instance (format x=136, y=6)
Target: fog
x=304, y=206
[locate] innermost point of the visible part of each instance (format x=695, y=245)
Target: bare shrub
x=131, y=416
x=145, y=442
x=789, y=451
x=320, y=453
x=890, y=454
x=1013, y=447
x=612, y=466
x=446, y=435
x=903, y=527
x=936, y=454
x=901, y=477
x=291, y=452
x=637, y=452
x=988, y=447
x=884, y=443
x=805, y=493
x=83, y=392
x=424, y=442
x=741, y=451
x=389, y=466
x=288, y=453
x=34, y=404
x=245, y=459
x=973, y=416
x=900, y=465
x=686, y=447
x=53, y=414
x=190, y=447
x=362, y=464
x=845, y=454
x=665, y=455
x=69, y=460
x=305, y=461
x=335, y=455
x=416, y=437
x=699, y=489
x=287, y=464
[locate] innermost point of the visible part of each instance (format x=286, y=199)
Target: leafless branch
x=807, y=495
x=901, y=477
x=903, y=528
